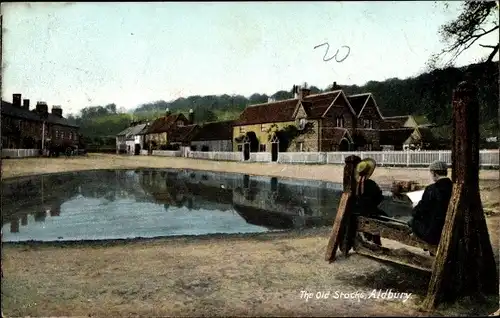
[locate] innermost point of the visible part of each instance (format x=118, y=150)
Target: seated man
x=368, y=194
x=429, y=214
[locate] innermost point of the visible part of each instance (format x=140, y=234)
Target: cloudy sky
x=86, y=54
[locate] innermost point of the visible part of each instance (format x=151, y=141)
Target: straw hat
x=365, y=168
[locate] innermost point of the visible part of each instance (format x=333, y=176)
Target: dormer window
x=340, y=122
x=368, y=123
x=180, y=123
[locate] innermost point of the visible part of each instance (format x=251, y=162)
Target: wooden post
x=343, y=212
x=464, y=264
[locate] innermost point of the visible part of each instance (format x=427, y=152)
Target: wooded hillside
x=427, y=94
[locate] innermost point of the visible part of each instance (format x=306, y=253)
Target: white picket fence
x=19, y=153
x=144, y=152
x=218, y=156
x=488, y=158
x=167, y=153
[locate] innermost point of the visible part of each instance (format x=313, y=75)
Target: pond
x=119, y=204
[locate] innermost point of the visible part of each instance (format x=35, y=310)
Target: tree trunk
x=464, y=265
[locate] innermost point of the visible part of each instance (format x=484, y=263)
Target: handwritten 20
x=336, y=53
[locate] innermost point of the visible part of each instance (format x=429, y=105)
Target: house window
x=369, y=147
x=242, y=130
x=300, y=146
x=180, y=123
x=62, y=134
x=340, y=121
x=368, y=123
x=240, y=147
x=263, y=127
x=70, y=135
x=57, y=134
x=262, y=148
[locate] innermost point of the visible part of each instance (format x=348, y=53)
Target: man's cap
x=438, y=166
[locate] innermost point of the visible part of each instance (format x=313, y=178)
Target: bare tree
x=477, y=19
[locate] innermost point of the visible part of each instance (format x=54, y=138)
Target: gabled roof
x=394, y=122
x=359, y=101
x=316, y=106
x=217, y=130
x=135, y=130
x=124, y=132
x=182, y=133
x=395, y=137
x=163, y=124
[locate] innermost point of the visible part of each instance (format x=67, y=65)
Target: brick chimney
x=26, y=104
x=167, y=112
x=16, y=100
x=304, y=91
x=295, y=91
x=57, y=110
x=42, y=108
x=335, y=86
x=191, y=117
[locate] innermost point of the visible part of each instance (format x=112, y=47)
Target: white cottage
x=134, y=139
x=121, y=140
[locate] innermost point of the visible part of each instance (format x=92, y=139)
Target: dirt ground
x=237, y=275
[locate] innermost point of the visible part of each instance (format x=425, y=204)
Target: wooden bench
x=397, y=232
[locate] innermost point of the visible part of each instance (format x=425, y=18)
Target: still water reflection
x=110, y=204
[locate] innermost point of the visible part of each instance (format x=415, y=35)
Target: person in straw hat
x=368, y=194
x=429, y=214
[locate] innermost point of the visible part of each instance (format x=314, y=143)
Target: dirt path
x=204, y=276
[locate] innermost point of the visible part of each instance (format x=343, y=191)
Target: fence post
x=382, y=159
x=440, y=155
x=407, y=158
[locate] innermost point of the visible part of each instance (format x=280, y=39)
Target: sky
x=86, y=54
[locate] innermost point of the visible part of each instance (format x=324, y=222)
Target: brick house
x=22, y=128
x=157, y=134
x=321, y=122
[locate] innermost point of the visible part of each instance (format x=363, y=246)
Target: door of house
x=137, y=149
x=246, y=151
x=275, y=143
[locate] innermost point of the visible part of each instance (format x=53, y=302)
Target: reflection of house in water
x=42, y=196
x=284, y=205
x=194, y=190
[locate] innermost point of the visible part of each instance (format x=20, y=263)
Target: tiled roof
x=268, y=113
x=394, y=122
x=135, y=130
x=334, y=135
x=124, y=132
x=163, y=124
x=182, y=133
x=281, y=111
x=395, y=136
x=357, y=101
x=54, y=119
x=10, y=110
x=217, y=130
x=316, y=109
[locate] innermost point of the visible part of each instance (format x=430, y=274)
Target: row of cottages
x=175, y=132
x=25, y=128
x=322, y=122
